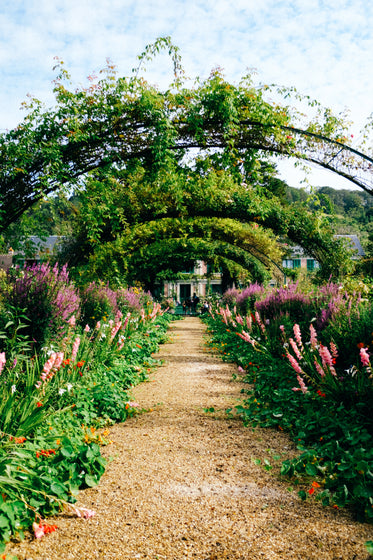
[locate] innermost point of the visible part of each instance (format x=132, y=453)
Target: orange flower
x=316, y=484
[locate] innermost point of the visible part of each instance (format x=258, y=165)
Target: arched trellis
x=154, y=258
x=228, y=233
x=45, y=171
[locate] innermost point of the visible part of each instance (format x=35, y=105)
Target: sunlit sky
x=323, y=48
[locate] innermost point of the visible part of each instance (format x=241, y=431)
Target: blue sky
x=323, y=48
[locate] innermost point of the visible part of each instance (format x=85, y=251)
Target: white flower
x=69, y=387
x=61, y=391
x=13, y=389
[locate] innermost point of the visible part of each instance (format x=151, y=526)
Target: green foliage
x=133, y=145
x=50, y=412
x=330, y=421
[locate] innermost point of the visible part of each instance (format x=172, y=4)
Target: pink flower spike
x=364, y=357
x=72, y=321
x=334, y=350
x=295, y=348
x=2, y=360
x=313, y=338
x=298, y=335
x=294, y=364
x=75, y=348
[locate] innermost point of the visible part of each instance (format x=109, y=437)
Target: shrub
x=246, y=299
x=98, y=301
x=132, y=300
x=46, y=297
x=230, y=296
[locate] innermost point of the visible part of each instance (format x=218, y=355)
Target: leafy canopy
x=138, y=155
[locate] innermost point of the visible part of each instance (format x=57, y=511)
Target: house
x=200, y=280
x=298, y=259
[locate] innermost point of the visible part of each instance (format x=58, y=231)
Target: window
x=310, y=264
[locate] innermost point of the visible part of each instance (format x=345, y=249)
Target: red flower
x=39, y=404
x=311, y=491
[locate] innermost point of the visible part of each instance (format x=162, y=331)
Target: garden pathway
x=184, y=482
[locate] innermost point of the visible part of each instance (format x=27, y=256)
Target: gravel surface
x=184, y=482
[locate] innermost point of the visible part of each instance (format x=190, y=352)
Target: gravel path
x=183, y=482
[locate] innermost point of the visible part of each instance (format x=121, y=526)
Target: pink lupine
x=298, y=335
x=240, y=369
x=302, y=385
x=2, y=361
x=319, y=369
x=249, y=322
x=313, y=338
x=98, y=325
x=239, y=319
x=86, y=329
x=334, y=350
x=327, y=360
x=295, y=348
x=72, y=321
x=294, y=364
x=114, y=330
x=246, y=337
x=75, y=348
x=364, y=357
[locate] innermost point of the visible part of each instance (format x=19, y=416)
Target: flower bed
x=301, y=381
x=56, y=404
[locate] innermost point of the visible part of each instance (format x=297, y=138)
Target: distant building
x=298, y=259
x=355, y=244
x=199, y=280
